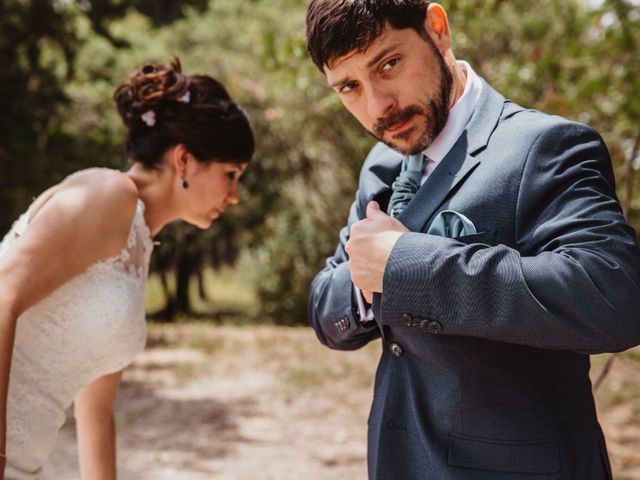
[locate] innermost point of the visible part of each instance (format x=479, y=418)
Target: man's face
x=399, y=89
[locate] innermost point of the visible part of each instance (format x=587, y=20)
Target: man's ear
x=436, y=24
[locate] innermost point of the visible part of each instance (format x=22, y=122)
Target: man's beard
x=435, y=115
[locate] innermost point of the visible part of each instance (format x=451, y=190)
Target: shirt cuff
x=366, y=313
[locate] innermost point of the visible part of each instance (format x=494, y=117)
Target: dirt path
x=238, y=403
x=266, y=403
x=618, y=403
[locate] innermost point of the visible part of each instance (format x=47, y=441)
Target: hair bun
x=149, y=89
x=162, y=108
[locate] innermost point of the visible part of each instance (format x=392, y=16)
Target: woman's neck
x=156, y=192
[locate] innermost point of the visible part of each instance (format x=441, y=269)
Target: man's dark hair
x=337, y=27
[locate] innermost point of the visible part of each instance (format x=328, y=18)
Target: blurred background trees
x=61, y=60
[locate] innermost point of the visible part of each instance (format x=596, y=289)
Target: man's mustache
x=400, y=116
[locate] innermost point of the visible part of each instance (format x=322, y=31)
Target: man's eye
x=347, y=88
x=390, y=64
x=231, y=175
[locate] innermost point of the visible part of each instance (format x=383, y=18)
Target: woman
x=73, y=267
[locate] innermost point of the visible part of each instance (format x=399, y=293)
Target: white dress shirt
x=459, y=117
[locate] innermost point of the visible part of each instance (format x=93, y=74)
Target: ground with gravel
x=212, y=402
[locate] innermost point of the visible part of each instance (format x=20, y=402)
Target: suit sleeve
x=333, y=310
x=571, y=282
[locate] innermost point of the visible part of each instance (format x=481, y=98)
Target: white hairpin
x=149, y=118
x=185, y=98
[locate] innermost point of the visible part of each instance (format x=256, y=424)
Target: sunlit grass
x=292, y=354
x=231, y=297
x=154, y=297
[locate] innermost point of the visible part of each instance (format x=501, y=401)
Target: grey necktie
x=406, y=184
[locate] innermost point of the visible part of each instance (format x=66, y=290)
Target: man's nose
x=380, y=102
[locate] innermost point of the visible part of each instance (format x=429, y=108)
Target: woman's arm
x=96, y=428
x=79, y=225
x=7, y=334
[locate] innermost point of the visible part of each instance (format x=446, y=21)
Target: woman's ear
x=179, y=159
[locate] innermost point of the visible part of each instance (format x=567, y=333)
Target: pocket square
x=451, y=224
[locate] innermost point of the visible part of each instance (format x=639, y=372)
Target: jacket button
x=396, y=349
x=406, y=319
x=435, y=327
x=342, y=325
x=431, y=326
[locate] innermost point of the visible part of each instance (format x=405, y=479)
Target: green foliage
x=35, y=40
x=63, y=60
x=572, y=58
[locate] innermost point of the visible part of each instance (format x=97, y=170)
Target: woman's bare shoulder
x=102, y=182
x=76, y=223
x=98, y=201
x=95, y=191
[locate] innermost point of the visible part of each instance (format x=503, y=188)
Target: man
x=490, y=285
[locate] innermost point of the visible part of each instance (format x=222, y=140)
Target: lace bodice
x=92, y=325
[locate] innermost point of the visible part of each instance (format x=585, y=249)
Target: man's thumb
x=373, y=209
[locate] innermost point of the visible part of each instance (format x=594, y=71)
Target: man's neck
x=459, y=81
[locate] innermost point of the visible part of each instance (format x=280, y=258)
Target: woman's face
x=213, y=186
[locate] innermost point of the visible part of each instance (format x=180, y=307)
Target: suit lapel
x=453, y=169
x=458, y=165
x=382, y=175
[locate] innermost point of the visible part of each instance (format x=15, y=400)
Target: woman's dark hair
x=337, y=27
x=162, y=107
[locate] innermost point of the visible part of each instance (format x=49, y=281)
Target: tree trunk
x=202, y=291
x=184, y=270
x=168, y=298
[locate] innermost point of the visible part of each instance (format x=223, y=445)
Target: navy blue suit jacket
x=486, y=338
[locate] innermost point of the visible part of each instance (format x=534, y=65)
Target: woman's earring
x=185, y=184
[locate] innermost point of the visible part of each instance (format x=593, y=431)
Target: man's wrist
x=364, y=312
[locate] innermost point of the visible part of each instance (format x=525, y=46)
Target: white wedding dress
x=91, y=326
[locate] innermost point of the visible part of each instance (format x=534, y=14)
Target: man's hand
x=369, y=247
x=368, y=296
